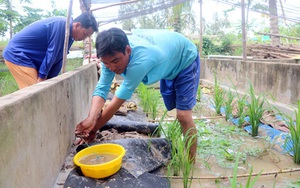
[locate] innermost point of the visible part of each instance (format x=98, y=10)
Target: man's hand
x=41, y=79
x=84, y=130
x=87, y=139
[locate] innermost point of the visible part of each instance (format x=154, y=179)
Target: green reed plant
x=233, y=181
x=199, y=94
x=180, y=152
x=186, y=163
x=218, y=95
x=149, y=100
x=241, y=102
x=144, y=97
x=153, y=103
x=228, y=104
x=255, y=109
x=294, y=138
x=160, y=130
x=174, y=132
x=241, y=113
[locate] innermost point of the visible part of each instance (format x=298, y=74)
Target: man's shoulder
x=52, y=19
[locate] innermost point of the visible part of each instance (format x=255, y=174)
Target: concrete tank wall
x=37, y=127
x=279, y=78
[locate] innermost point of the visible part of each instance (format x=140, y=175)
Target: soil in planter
x=213, y=165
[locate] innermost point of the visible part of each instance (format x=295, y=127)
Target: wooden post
x=244, y=32
x=67, y=33
x=201, y=30
x=85, y=5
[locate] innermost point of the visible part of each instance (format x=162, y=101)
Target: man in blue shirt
x=148, y=56
x=36, y=52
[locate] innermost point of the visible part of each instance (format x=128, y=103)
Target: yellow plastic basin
x=105, y=169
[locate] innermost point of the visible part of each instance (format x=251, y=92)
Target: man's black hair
x=87, y=20
x=110, y=41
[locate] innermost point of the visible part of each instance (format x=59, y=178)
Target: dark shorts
x=181, y=92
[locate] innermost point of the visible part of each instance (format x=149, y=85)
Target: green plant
x=250, y=183
x=180, y=151
x=149, y=100
x=294, y=184
x=172, y=133
x=7, y=83
x=226, y=44
x=73, y=63
x=154, y=98
x=294, y=137
x=186, y=163
x=3, y=43
x=142, y=93
x=233, y=181
x=228, y=104
x=218, y=95
x=208, y=47
x=255, y=110
x=199, y=94
x=241, y=104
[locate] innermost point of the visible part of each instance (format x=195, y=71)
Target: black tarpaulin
x=141, y=165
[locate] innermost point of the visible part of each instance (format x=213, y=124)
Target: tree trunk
x=201, y=30
x=274, y=29
x=10, y=20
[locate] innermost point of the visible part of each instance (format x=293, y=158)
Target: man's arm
x=87, y=125
x=108, y=112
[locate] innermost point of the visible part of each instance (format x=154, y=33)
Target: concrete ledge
x=282, y=80
x=37, y=126
x=284, y=108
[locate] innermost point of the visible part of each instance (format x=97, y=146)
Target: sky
x=207, y=11
x=209, y=7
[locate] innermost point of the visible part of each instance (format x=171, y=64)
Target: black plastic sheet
x=123, y=124
x=143, y=160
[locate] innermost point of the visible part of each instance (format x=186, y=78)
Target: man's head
x=84, y=26
x=113, y=49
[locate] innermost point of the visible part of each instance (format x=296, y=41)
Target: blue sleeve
x=104, y=82
x=56, y=37
x=55, y=69
x=138, y=71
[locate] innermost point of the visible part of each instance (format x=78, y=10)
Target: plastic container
x=105, y=169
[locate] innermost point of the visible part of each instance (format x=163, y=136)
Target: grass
x=3, y=43
x=8, y=84
x=73, y=64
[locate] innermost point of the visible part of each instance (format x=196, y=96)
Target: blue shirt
x=40, y=45
x=156, y=55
